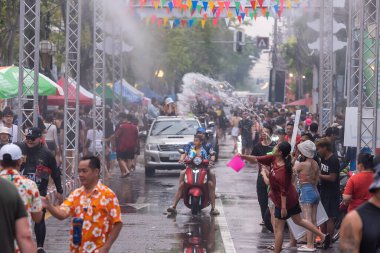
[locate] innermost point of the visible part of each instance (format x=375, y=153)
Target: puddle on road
x=200, y=234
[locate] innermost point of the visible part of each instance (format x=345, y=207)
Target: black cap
x=33, y=132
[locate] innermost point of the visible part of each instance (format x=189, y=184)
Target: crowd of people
x=293, y=182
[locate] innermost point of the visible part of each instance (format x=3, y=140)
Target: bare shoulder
x=351, y=233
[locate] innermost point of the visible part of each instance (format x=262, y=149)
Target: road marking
x=224, y=229
x=140, y=200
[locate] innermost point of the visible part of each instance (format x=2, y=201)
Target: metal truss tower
x=368, y=73
x=28, y=58
x=326, y=65
x=98, y=110
x=72, y=75
x=117, y=68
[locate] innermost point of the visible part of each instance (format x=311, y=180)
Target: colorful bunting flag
x=261, y=3
x=191, y=22
x=159, y=22
x=203, y=23
x=183, y=21
x=229, y=14
x=166, y=20
x=176, y=22
x=264, y=11
x=205, y=5
x=163, y=3
x=170, y=6
x=199, y=8
x=154, y=19
x=288, y=4
x=189, y=4
x=227, y=20
x=221, y=5
x=211, y=4
x=276, y=8
x=251, y=15
x=242, y=16
x=194, y=5
x=215, y=22
x=253, y=4
x=237, y=7
x=239, y=18
x=227, y=5
x=171, y=24
x=155, y=4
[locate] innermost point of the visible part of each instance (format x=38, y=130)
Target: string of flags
x=200, y=11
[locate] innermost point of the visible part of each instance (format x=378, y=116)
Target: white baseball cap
x=4, y=130
x=11, y=149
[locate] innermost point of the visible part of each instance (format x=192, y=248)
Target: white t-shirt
x=51, y=133
x=13, y=131
x=96, y=145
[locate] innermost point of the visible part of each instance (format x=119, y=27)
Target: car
x=166, y=136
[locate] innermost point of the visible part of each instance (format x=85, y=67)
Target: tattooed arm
x=351, y=233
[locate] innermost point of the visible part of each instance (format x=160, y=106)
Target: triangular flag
x=165, y=21
x=189, y=4
x=255, y=13
x=192, y=12
x=183, y=21
x=199, y=8
x=239, y=18
x=156, y=5
x=194, y=5
x=267, y=14
x=276, y=8
x=163, y=3
x=242, y=16
x=264, y=11
x=237, y=7
x=242, y=5
x=211, y=4
x=218, y=12
x=205, y=5
x=154, y=19
x=171, y=24
x=170, y=6
x=191, y=21
x=288, y=4
x=159, y=22
x=215, y=22
x=246, y=11
x=221, y=5
x=261, y=3
x=229, y=14
x=176, y=22
x=227, y=20
x=227, y=5
x=251, y=15
x=281, y=7
x=203, y=23
x=205, y=16
x=142, y=3
x=253, y=4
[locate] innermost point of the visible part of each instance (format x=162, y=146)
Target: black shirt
x=40, y=164
x=246, y=128
x=11, y=209
x=329, y=166
x=370, y=216
x=261, y=150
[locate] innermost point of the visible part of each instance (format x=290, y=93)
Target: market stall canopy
x=9, y=77
x=85, y=97
x=304, y=102
x=129, y=92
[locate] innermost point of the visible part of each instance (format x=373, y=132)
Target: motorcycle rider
x=199, y=140
x=39, y=164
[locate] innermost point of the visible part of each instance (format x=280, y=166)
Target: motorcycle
x=195, y=193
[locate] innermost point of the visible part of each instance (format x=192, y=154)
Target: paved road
x=148, y=228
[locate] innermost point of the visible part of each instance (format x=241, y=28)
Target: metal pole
x=368, y=74
x=98, y=109
x=72, y=75
x=326, y=65
x=117, y=105
x=28, y=58
x=274, y=59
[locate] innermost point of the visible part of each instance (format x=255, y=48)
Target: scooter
x=195, y=193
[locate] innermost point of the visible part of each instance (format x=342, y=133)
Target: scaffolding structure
x=28, y=64
x=71, y=110
x=99, y=108
x=117, y=69
x=368, y=73
x=326, y=65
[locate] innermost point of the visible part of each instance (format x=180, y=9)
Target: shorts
x=247, y=142
x=235, y=132
x=331, y=205
x=292, y=211
x=309, y=194
x=129, y=155
x=51, y=145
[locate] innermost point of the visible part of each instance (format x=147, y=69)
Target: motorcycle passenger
x=197, y=146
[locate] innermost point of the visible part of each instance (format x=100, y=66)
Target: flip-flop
x=270, y=247
x=171, y=210
x=304, y=248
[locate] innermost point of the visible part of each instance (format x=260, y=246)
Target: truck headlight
x=152, y=147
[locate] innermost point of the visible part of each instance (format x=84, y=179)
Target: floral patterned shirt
x=99, y=210
x=27, y=189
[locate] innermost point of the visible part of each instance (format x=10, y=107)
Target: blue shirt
x=207, y=147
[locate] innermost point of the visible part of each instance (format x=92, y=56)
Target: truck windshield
x=175, y=127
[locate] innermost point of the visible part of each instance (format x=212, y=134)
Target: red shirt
x=298, y=139
x=357, y=186
x=127, y=137
x=280, y=183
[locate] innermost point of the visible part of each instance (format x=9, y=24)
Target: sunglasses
x=31, y=138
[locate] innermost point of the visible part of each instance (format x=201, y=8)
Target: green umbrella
x=9, y=77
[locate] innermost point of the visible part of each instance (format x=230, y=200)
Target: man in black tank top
x=360, y=230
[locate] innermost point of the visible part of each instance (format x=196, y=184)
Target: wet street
x=148, y=228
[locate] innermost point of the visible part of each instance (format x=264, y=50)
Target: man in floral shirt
x=10, y=156
x=96, y=204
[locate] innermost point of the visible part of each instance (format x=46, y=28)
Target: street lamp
x=291, y=75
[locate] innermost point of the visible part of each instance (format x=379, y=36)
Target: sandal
x=270, y=247
x=214, y=212
x=171, y=210
x=326, y=242
x=304, y=248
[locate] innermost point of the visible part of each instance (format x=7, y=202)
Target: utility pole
x=274, y=57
